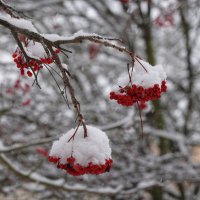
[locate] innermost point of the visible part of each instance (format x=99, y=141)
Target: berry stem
x=140, y=64
x=72, y=137
x=141, y=121
x=130, y=74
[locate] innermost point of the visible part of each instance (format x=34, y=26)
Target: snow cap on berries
x=35, y=49
x=141, y=77
x=154, y=75
x=86, y=153
x=143, y=83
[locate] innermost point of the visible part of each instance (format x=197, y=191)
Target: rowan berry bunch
x=146, y=83
x=75, y=169
x=33, y=65
x=79, y=155
x=131, y=94
x=20, y=92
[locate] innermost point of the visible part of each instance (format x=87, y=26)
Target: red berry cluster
x=127, y=96
x=35, y=65
x=76, y=169
x=166, y=20
x=19, y=89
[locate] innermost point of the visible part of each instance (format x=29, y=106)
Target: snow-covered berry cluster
x=145, y=83
x=78, y=156
x=33, y=50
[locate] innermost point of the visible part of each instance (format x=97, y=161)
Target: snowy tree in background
x=52, y=46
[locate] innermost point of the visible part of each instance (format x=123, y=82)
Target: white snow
x=81, y=33
x=65, y=66
x=53, y=37
x=1, y=145
x=139, y=77
x=94, y=148
x=21, y=23
x=35, y=50
x=40, y=178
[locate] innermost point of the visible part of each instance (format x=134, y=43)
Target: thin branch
x=65, y=98
x=130, y=74
x=11, y=11
x=19, y=147
x=141, y=121
x=68, y=85
x=69, y=40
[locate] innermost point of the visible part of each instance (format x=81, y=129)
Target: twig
x=72, y=137
x=65, y=98
x=141, y=121
x=141, y=64
x=68, y=85
x=129, y=74
x=19, y=147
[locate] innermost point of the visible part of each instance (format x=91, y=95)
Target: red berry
x=53, y=159
x=14, y=55
x=22, y=71
x=57, y=51
x=26, y=103
x=29, y=73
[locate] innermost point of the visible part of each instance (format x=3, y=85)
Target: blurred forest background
x=165, y=164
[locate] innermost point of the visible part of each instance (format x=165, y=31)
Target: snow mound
x=144, y=74
x=35, y=50
x=79, y=152
x=20, y=23
x=143, y=83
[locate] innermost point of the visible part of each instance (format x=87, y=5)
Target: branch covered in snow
x=18, y=147
x=25, y=27
x=23, y=30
